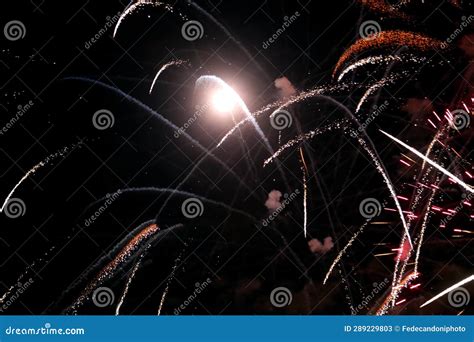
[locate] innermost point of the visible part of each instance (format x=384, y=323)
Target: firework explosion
x=207, y=187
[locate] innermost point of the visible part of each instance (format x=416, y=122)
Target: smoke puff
x=273, y=200
x=285, y=87
x=321, y=248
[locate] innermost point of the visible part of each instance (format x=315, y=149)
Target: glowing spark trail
x=220, y=84
x=341, y=253
x=449, y=289
x=432, y=163
x=35, y=168
x=127, y=286
x=109, y=270
x=305, y=191
x=389, y=39
x=375, y=60
x=136, y=6
x=177, y=62
x=160, y=118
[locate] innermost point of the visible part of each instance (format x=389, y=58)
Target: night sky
x=101, y=226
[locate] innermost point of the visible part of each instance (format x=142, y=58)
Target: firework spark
x=432, y=163
x=449, y=289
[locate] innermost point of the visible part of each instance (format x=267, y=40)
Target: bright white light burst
x=224, y=101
